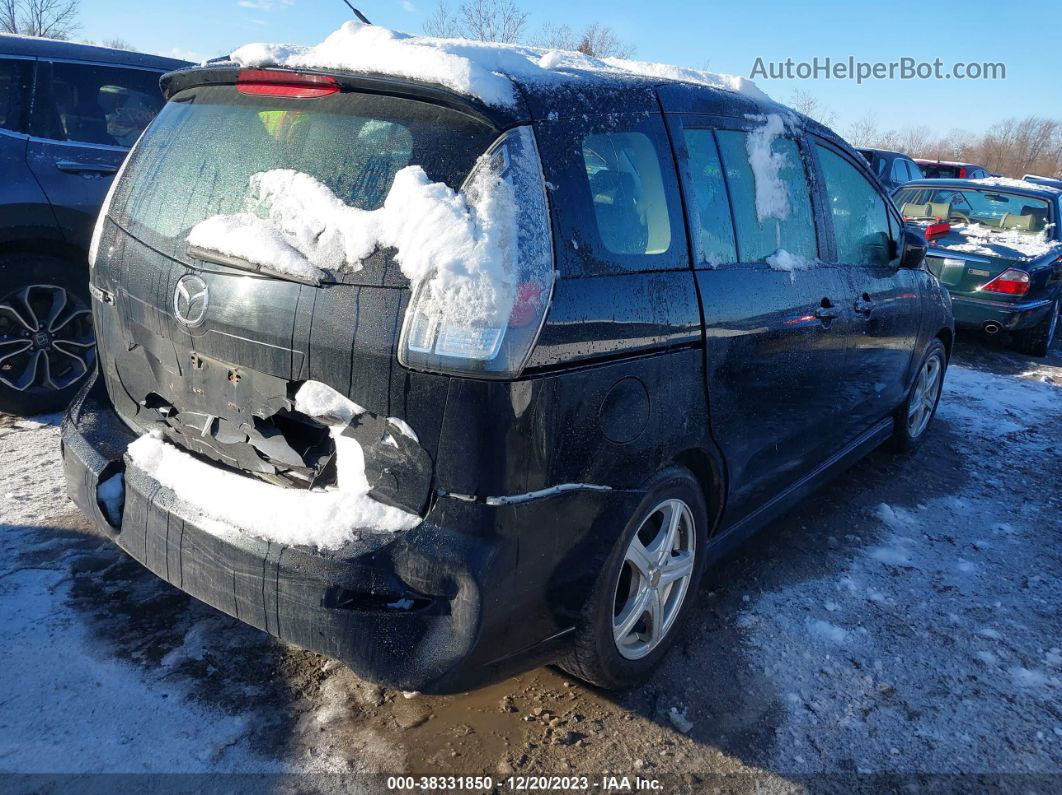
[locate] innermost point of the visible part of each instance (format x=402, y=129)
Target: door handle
x=74, y=167
x=863, y=305
x=827, y=312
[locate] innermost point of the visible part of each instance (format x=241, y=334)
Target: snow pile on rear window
x=461, y=244
x=476, y=69
x=232, y=505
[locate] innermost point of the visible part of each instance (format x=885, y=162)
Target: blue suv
x=68, y=115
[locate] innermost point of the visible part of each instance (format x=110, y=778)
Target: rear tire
x=47, y=346
x=915, y=415
x=1037, y=340
x=636, y=610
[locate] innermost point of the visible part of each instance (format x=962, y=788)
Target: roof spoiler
x=224, y=72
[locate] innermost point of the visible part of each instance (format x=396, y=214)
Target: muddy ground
x=903, y=620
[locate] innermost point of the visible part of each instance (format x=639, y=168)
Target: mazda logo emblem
x=190, y=300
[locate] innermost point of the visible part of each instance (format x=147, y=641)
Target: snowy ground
x=904, y=620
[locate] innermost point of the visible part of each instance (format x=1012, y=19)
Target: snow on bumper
x=445, y=606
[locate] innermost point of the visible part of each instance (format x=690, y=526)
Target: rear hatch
x=211, y=352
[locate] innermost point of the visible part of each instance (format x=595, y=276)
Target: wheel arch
x=946, y=336
x=708, y=468
x=47, y=246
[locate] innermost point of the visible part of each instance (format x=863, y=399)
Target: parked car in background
x=541, y=409
x=68, y=115
x=1051, y=181
x=892, y=168
x=948, y=169
x=995, y=245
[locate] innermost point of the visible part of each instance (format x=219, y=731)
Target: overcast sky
x=723, y=36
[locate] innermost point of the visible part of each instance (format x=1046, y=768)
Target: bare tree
x=599, y=41
x=864, y=132
x=485, y=20
x=443, y=23
x=118, y=43
x=810, y=105
x=53, y=19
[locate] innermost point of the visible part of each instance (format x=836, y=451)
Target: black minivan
x=68, y=115
x=447, y=389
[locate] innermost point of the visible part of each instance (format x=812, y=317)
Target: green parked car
x=995, y=245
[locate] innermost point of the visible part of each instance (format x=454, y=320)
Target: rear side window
x=915, y=169
x=92, y=104
x=712, y=227
x=15, y=76
x=758, y=239
x=198, y=157
x=860, y=218
x=627, y=191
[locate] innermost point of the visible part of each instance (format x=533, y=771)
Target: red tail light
x=933, y=231
x=1010, y=282
x=275, y=83
x=527, y=305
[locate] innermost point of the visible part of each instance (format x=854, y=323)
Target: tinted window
x=899, y=171
x=758, y=239
x=198, y=158
x=860, y=217
x=627, y=191
x=916, y=171
x=713, y=230
x=94, y=104
x=14, y=93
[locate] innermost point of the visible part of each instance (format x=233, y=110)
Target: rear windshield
x=940, y=172
x=197, y=158
x=995, y=210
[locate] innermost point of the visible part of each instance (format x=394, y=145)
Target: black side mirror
x=913, y=247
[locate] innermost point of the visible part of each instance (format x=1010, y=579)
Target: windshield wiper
x=209, y=255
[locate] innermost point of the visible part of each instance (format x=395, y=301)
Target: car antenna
x=357, y=13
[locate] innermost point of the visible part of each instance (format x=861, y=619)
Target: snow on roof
x=1006, y=182
x=484, y=70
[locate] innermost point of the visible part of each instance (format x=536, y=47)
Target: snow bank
x=461, y=244
x=484, y=70
x=231, y=504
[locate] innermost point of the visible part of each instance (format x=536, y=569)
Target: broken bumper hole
x=273, y=441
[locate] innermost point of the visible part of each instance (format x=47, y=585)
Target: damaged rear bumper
x=474, y=593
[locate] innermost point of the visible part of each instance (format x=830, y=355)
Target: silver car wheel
x=46, y=338
x=656, y=574
x=924, y=397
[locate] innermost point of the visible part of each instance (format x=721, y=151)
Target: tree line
x=1012, y=147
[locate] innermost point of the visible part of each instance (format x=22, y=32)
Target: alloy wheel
x=46, y=338
x=656, y=574
x=924, y=397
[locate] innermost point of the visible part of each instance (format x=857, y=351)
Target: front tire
x=643, y=594
x=1037, y=340
x=914, y=417
x=47, y=345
